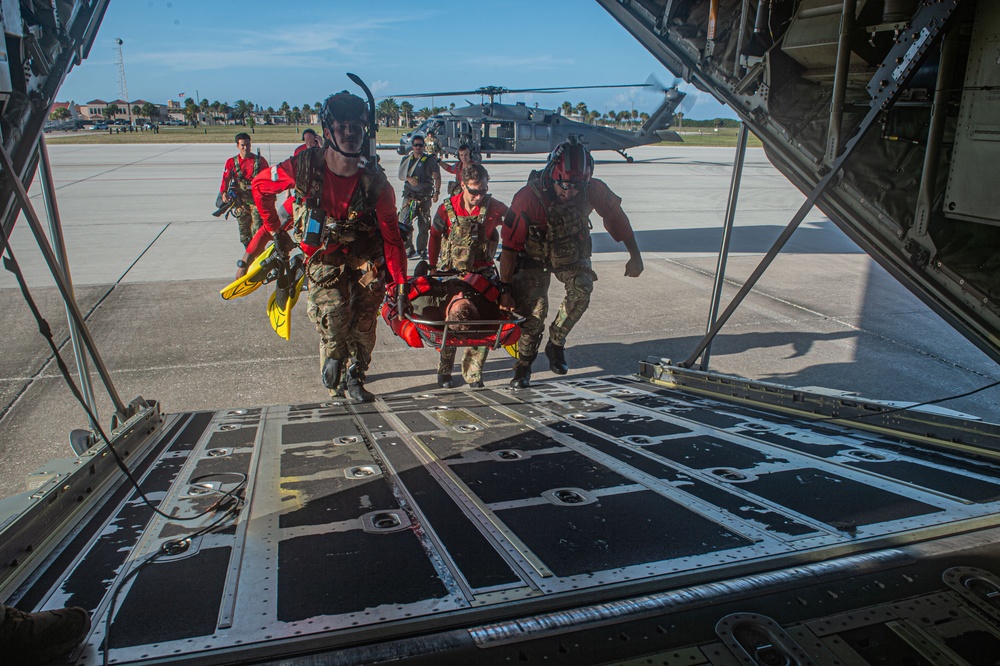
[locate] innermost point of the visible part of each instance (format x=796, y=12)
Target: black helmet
x=344, y=106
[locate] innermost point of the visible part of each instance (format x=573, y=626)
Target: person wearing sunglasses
x=550, y=235
x=421, y=176
x=463, y=239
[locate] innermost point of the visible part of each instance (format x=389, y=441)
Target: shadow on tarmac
x=821, y=238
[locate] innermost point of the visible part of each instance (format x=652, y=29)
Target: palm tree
x=216, y=111
x=593, y=116
x=643, y=117
x=679, y=120
x=567, y=108
x=62, y=113
x=581, y=110
x=110, y=111
x=307, y=112
x=407, y=110
x=151, y=111
x=241, y=110
x=387, y=111
x=295, y=116
x=635, y=116
x=424, y=113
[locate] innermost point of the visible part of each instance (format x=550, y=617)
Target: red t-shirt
x=526, y=206
x=496, y=211
x=246, y=166
x=334, y=199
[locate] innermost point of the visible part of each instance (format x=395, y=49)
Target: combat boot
x=444, y=381
x=522, y=372
x=43, y=637
x=557, y=358
x=356, y=390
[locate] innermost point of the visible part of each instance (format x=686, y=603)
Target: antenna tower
x=122, y=86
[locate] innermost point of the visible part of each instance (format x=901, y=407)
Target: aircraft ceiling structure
x=44, y=41
x=886, y=112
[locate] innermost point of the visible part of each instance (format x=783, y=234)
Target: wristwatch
x=503, y=287
x=240, y=263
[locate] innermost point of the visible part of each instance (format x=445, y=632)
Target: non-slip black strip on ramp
x=232, y=439
x=496, y=481
x=480, y=563
x=629, y=425
x=739, y=506
x=318, y=431
x=88, y=581
x=348, y=572
x=616, y=531
x=834, y=499
x=705, y=452
x=496, y=438
x=820, y=450
x=172, y=600
x=957, y=485
x=323, y=501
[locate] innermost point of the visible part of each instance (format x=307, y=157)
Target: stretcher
x=417, y=317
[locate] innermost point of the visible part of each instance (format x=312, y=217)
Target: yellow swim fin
x=255, y=276
x=511, y=349
x=286, y=295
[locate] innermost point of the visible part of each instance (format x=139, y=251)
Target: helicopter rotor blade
x=499, y=90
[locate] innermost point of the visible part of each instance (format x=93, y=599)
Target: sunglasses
x=476, y=193
x=418, y=145
x=567, y=185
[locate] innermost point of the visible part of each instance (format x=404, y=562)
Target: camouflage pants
x=249, y=221
x=530, y=290
x=345, y=314
x=472, y=362
x=419, y=210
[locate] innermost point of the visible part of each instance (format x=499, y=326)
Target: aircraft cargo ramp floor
x=588, y=521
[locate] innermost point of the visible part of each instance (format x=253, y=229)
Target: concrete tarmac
x=148, y=260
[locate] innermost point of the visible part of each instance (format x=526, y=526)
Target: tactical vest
x=244, y=185
x=358, y=233
x=464, y=249
x=566, y=239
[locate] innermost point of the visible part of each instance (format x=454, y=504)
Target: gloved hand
x=403, y=305
x=283, y=243
x=506, y=302
x=634, y=267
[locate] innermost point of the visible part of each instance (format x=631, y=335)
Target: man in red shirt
x=309, y=140
x=463, y=238
x=346, y=213
x=464, y=159
x=237, y=176
x=551, y=235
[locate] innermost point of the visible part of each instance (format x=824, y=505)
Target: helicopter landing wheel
x=628, y=158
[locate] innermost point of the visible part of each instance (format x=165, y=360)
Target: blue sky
x=299, y=52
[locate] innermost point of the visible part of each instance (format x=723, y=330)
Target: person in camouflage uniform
x=463, y=238
x=421, y=176
x=346, y=214
x=237, y=177
x=551, y=236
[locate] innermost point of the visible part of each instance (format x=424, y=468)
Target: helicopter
x=493, y=127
